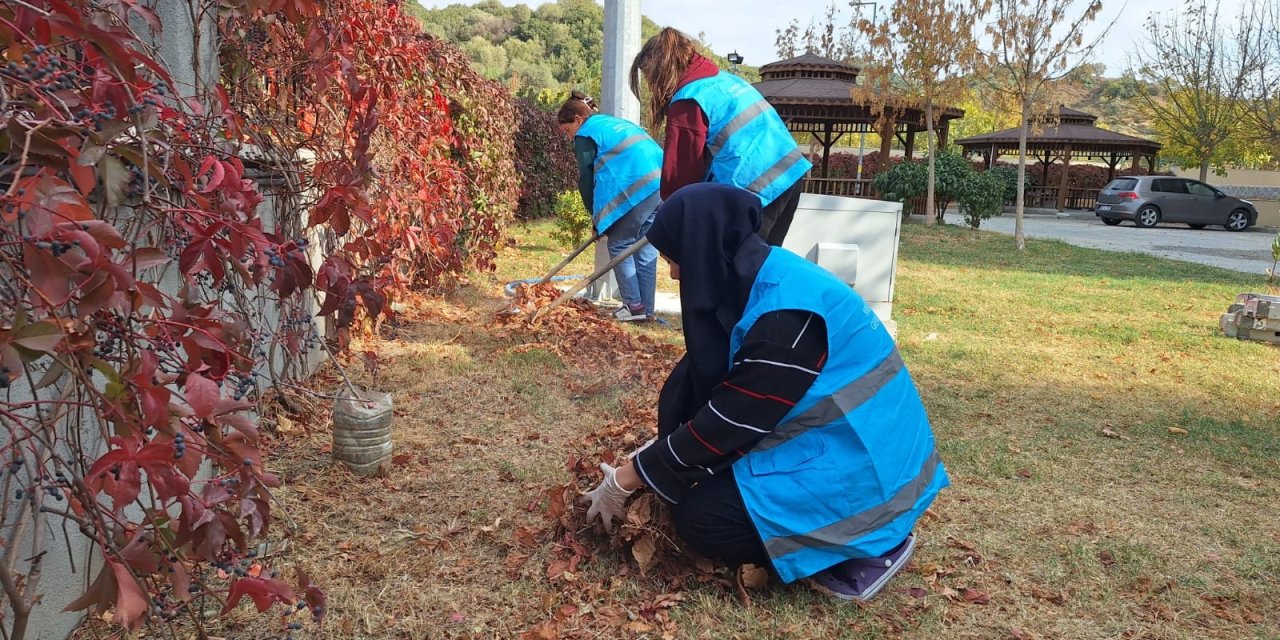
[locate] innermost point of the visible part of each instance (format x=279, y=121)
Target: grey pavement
x=1248, y=251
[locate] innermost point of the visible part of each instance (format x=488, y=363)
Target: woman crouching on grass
x=619, y=168
x=790, y=435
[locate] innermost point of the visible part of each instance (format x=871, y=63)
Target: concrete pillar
x=621, y=44
x=188, y=47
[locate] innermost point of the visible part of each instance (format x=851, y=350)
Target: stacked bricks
x=1253, y=317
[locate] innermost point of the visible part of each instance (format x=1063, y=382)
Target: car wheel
x=1238, y=220
x=1111, y=222
x=1147, y=217
x=1197, y=226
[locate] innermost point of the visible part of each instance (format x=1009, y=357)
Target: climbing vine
x=159, y=248
x=410, y=152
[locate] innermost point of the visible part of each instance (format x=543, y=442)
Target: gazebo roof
x=1072, y=127
x=814, y=81
x=808, y=78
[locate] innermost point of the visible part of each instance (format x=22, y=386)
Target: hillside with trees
x=538, y=53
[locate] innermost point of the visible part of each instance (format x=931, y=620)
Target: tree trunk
x=1018, y=238
x=930, y=218
x=1204, y=169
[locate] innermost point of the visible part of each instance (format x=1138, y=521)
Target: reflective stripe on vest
x=625, y=199
x=840, y=403
x=737, y=123
x=627, y=168
x=617, y=150
x=750, y=146
x=841, y=533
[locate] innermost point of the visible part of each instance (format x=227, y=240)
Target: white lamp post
x=862, y=134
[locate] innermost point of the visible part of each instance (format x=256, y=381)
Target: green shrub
x=952, y=175
x=906, y=180
x=909, y=180
x=1008, y=176
x=981, y=196
x=573, y=223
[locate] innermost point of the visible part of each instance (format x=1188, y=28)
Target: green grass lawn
x=1115, y=465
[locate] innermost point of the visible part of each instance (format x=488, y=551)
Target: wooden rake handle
x=564, y=263
x=632, y=250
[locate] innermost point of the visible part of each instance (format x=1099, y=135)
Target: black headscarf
x=709, y=230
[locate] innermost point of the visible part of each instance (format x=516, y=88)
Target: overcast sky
x=748, y=26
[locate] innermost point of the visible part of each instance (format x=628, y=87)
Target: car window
x=1122, y=185
x=1200, y=189
x=1169, y=185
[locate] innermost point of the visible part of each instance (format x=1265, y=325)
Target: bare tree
x=1194, y=77
x=1261, y=30
x=921, y=56
x=787, y=41
x=830, y=37
x=1035, y=43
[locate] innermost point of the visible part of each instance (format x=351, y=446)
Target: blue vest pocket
x=787, y=457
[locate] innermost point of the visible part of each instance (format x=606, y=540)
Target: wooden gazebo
x=1064, y=135
x=814, y=95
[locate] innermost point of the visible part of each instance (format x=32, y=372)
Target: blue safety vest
x=628, y=168
x=749, y=144
x=849, y=470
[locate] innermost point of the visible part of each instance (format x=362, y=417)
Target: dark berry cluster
x=45, y=71
x=56, y=247
x=179, y=445
x=111, y=336
x=240, y=385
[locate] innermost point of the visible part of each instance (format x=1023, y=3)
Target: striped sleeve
x=777, y=363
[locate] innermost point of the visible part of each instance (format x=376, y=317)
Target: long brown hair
x=662, y=61
x=578, y=104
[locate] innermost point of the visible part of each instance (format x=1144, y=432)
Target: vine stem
x=355, y=395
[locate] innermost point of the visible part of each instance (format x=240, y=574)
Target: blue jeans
x=637, y=275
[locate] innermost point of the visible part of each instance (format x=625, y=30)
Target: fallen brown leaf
x=1106, y=558
x=753, y=577
x=542, y=631
x=976, y=597
x=1049, y=595
x=527, y=537
x=643, y=550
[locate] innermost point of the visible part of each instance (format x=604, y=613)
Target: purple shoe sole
x=861, y=580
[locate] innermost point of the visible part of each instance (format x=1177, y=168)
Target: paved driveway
x=1248, y=251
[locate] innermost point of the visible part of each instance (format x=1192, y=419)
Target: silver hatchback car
x=1150, y=200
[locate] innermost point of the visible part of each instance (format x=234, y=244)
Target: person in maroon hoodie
x=718, y=129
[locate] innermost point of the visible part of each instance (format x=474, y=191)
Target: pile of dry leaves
x=646, y=538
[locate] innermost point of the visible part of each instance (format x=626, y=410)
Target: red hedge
x=544, y=161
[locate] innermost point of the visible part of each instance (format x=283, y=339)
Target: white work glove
x=609, y=500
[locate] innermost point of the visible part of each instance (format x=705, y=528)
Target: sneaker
x=861, y=579
x=626, y=314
